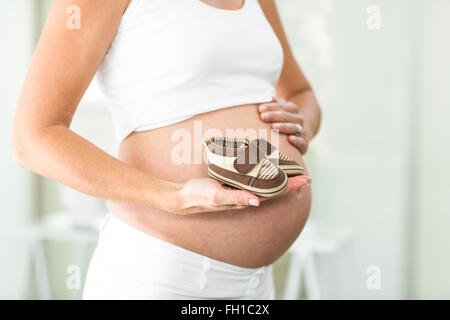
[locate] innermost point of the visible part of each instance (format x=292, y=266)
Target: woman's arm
x=63, y=65
x=297, y=103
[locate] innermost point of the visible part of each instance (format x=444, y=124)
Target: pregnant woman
x=173, y=71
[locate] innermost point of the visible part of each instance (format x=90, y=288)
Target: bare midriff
x=249, y=238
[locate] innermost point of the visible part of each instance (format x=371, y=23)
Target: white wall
x=433, y=152
x=17, y=197
x=359, y=158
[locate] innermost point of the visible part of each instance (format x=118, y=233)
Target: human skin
x=176, y=203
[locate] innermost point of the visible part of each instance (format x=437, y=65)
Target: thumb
x=237, y=197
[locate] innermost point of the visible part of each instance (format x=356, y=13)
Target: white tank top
x=174, y=59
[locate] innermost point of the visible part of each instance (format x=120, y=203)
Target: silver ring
x=299, y=129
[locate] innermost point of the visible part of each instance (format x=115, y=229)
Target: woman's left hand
x=285, y=117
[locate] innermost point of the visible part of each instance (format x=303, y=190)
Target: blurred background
x=379, y=227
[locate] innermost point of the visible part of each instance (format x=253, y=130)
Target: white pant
x=130, y=264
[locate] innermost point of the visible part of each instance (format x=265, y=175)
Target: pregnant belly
x=251, y=237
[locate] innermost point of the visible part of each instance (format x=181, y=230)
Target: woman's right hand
x=209, y=195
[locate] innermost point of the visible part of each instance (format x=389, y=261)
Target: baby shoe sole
x=266, y=193
x=292, y=170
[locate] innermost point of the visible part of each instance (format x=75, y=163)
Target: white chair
x=55, y=227
x=314, y=241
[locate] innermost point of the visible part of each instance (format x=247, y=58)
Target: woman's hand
x=284, y=117
x=208, y=195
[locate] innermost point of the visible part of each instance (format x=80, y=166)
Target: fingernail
x=264, y=115
x=276, y=125
x=253, y=202
x=307, y=179
x=300, y=183
x=262, y=107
